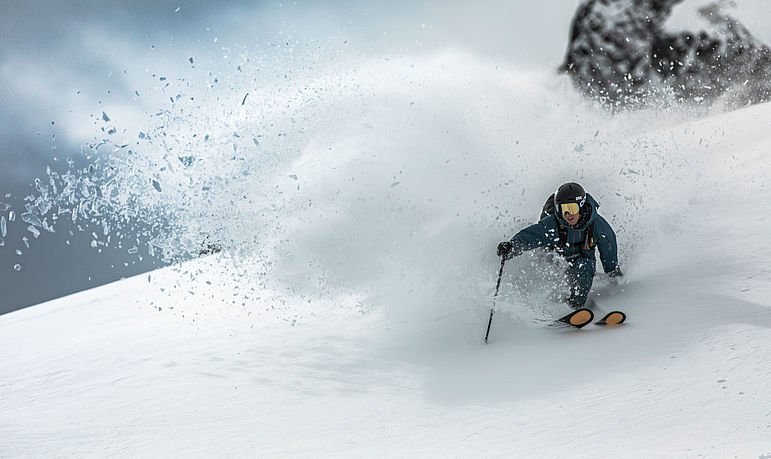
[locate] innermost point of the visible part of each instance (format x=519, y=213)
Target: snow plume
x=383, y=184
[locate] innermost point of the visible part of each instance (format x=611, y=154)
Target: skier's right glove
x=616, y=273
x=507, y=251
x=615, y=276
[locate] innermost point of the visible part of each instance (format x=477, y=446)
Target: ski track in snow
x=338, y=349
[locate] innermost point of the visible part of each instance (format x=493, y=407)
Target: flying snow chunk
x=157, y=186
x=187, y=161
x=31, y=218
x=35, y=232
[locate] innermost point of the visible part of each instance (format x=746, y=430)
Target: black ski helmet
x=569, y=192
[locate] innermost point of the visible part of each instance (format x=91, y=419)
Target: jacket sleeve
x=543, y=233
x=606, y=243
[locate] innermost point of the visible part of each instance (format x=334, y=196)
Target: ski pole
x=495, y=296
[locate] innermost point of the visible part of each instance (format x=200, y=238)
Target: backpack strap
x=548, y=207
x=589, y=242
x=563, y=235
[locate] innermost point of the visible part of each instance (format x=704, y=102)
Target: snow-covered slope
x=364, y=348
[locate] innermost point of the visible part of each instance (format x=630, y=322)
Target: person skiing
x=571, y=226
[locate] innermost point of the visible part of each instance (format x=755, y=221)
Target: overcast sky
x=61, y=63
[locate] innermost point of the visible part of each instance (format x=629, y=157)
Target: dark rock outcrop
x=621, y=54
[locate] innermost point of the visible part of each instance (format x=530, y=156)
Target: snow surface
x=355, y=327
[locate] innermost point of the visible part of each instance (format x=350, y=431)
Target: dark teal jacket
x=546, y=234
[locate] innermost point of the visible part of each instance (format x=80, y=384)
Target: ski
x=612, y=318
x=577, y=319
x=584, y=316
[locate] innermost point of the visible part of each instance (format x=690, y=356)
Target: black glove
x=507, y=251
x=616, y=273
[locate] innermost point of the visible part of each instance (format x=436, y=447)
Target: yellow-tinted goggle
x=570, y=208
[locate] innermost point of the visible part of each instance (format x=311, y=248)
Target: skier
x=571, y=226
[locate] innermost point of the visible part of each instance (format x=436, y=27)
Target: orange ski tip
x=581, y=317
x=615, y=318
